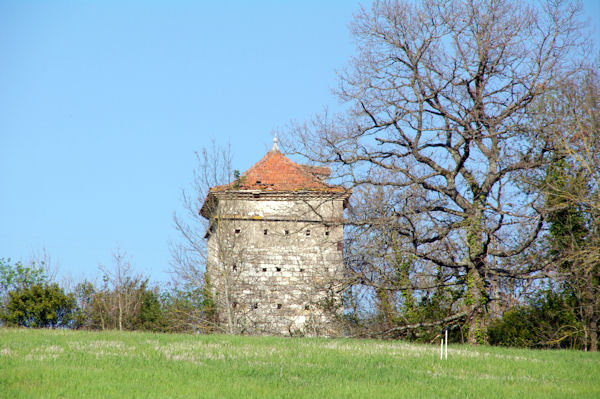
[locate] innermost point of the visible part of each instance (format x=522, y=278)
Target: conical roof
x=275, y=172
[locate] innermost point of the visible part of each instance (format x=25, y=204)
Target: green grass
x=78, y=364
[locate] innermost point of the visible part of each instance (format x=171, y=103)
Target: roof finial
x=275, y=146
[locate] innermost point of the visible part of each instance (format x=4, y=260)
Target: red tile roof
x=275, y=172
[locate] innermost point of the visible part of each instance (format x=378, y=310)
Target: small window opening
x=301, y=270
x=234, y=267
x=265, y=232
x=279, y=306
x=237, y=231
x=256, y=195
x=278, y=269
x=255, y=306
x=307, y=233
x=258, y=182
x=234, y=305
x=327, y=232
x=287, y=232
x=264, y=269
x=306, y=307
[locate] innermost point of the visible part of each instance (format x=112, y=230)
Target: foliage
x=548, y=321
x=40, y=305
x=572, y=199
x=189, y=310
x=168, y=311
x=151, y=316
x=142, y=310
x=84, y=298
x=17, y=276
x=123, y=301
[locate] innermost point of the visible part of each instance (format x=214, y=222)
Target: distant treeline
x=128, y=301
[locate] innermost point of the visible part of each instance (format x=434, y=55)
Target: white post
x=446, y=346
x=442, y=348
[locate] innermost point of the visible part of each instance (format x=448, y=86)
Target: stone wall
x=275, y=263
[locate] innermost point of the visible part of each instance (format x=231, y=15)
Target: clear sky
x=102, y=105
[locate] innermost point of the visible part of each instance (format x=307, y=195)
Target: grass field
x=78, y=364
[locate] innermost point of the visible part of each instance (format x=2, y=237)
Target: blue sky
x=102, y=105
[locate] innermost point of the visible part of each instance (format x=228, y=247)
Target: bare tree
x=122, y=297
x=214, y=168
x=227, y=260
x=189, y=254
x=42, y=259
x=439, y=100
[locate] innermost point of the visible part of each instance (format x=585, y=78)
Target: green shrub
x=40, y=305
x=548, y=321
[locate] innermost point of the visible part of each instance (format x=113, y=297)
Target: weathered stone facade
x=275, y=243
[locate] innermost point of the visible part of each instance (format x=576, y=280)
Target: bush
x=40, y=305
x=548, y=321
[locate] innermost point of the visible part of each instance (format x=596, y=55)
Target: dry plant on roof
x=438, y=133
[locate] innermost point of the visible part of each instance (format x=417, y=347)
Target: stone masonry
x=274, y=262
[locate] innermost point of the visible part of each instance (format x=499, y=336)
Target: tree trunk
x=593, y=341
x=476, y=300
x=120, y=316
x=591, y=318
x=227, y=300
x=385, y=309
x=102, y=319
x=229, y=315
x=593, y=327
x=476, y=296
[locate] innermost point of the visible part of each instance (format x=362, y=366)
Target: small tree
x=84, y=296
x=117, y=303
x=152, y=313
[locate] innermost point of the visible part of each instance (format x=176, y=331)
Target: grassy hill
x=79, y=364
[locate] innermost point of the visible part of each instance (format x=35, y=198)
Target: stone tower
x=274, y=249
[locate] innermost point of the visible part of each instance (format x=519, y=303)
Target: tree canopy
x=440, y=137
